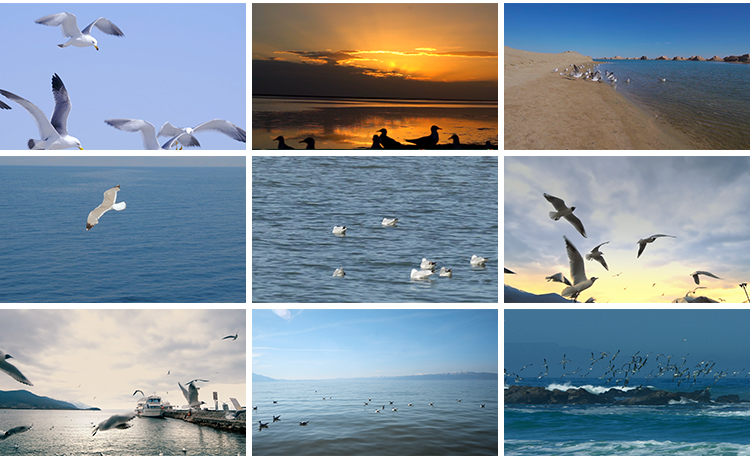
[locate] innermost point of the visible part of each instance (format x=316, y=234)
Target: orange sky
x=428, y=42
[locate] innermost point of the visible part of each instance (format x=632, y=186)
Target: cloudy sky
x=700, y=200
x=99, y=357
x=125, y=161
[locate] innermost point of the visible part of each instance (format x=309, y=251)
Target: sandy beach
x=546, y=111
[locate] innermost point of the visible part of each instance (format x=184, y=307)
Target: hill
x=25, y=400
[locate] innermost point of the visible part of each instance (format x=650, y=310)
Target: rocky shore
x=744, y=59
x=531, y=395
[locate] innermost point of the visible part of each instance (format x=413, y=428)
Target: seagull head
x=384, y=131
x=435, y=128
x=279, y=138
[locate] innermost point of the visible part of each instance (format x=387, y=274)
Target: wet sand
x=546, y=111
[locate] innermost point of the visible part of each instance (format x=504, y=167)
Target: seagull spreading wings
x=595, y=254
x=577, y=272
x=11, y=370
x=117, y=421
x=642, y=242
x=78, y=38
x=558, y=277
x=147, y=130
x=108, y=203
x=234, y=337
x=138, y=391
x=187, y=139
x=703, y=273
x=14, y=430
x=564, y=211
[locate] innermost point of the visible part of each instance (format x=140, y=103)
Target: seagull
x=187, y=139
x=310, y=143
x=427, y=264
x=481, y=406
x=13, y=431
x=282, y=145
x=389, y=221
x=558, y=277
x=234, y=337
x=340, y=230
x=387, y=142
x=191, y=394
x=478, y=261
x=276, y=418
x=445, y=272
x=409, y=404
x=255, y=408
x=11, y=370
x=662, y=79
x=377, y=411
x=376, y=143
x=427, y=141
x=595, y=254
x=138, y=391
x=80, y=39
x=262, y=425
x=456, y=145
x=507, y=271
x=577, y=272
x=642, y=242
x=147, y=130
x=4, y=106
x=421, y=274
x=117, y=421
x=705, y=273
x=54, y=132
x=395, y=409
x=110, y=196
x=431, y=404
x=339, y=272
x=303, y=423
x=566, y=212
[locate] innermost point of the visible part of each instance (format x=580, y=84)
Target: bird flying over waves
x=13, y=431
x=117, y=421
x=703, y=273
x=642, y=242
x=566, y=212
x=595, y=254
x=12, y=371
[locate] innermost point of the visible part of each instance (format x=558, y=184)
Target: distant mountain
x=23, y=399
x=514, y=295
x=261, y=378
x=458, y=375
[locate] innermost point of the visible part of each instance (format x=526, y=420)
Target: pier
x=207, y=418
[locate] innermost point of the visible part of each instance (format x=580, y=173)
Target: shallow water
x=707, y=101
x=351, y=123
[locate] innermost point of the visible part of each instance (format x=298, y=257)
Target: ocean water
x=68, y=433
x=689, y=428
x=447, y=211
x=343, y=425
x=707, y=101
x=350, y=123
x=180, y=239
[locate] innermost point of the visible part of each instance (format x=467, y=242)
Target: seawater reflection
x=351, y=123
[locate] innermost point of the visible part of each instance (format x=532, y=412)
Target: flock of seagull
x=426, y=268
x=382, y=141
x=54, y=132
x=593, y=74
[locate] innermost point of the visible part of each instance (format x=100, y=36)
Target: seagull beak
x=97, y=48
x=80, y=147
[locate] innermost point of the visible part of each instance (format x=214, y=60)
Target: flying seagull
x=11, y=370
x=595, y=254
x=566, y=212
x=577, y=272
x=642, y=242
x=507, y=271
x=558, y=277
x=78, y=38
x=117, y=421
x=234, y=337
x=138, y=391
x=704, y=273
x=54, y=132
x=110, y=196
x=147, y=130
x=427, y=141
x=13, y=431
x=187, y=138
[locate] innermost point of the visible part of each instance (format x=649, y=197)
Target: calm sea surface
x=691, y=429
x=68, y=433
x=351, y=123
x=447, y=211
x=708, y=101
x=343, y=425
x=180, y=239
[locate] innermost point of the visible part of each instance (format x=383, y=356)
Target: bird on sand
x=79, y=38
x=566, y=212
x=12, y=371
x=54, y=131
x=595, y=254
x=13, y=431
x=507, y=271
x=558, y=277
x=456, y=145
x=110, y=196
x=234, y=337
x=703, y=273
x=282, y=145
x=376, y=143
x=187, y=138
x=577, y=272
x=642, y=242
x=147, y=130
x=387, y=142
x=427, y=141
x=138, y=391
x=310, y=143
x=117, y=421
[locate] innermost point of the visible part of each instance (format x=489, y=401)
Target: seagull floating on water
x=310, y=143
x=577, y=272
x=558, y=277
x=53, y=132
x=564, y=211
x=303, y=423
x=642, y=242
x=595, y=254
x=389, y=221
x=13, y=431
x=262, y=425
x=703, y=273
x=339, y=272
x=421, y=274
x=147, y=130
x=340, y=230
x=427, y=141
x=427, y=264
x=478, y=261
x=282, y=145
x=12, y=371
x=445, y=272
x=110, y=196
x=117, y=421
x=187, y=138
x=78, y=38
x=276, y=418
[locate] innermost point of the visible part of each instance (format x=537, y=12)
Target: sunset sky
x=325, y=47
x=700, y=200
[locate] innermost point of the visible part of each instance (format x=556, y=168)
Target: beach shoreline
x=546, y=111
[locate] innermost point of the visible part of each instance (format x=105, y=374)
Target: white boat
x=150, y=407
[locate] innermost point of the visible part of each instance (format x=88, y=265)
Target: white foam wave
x=629, y=448
x=588, y=387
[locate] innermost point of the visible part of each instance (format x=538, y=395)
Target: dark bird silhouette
x=13, y=431
x=310, y=143
x=387, y=142
x=456, y=143
x=12, y=371
x=376, y=143
x=282, y=145
x=427, y=141
x=234, y=337
x=642, y=242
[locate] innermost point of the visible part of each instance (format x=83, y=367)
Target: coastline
x=546, y=111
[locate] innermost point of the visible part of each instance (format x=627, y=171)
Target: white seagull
x=445, y=272
x=78, y=38
x=421, y=274
x=389, y=221
x=642, y=242
x=595, y=254
x=117, y=421
x=147, y=130
x=13, y=431
x=427, y=264
x=188, y=139
x=54, y=132
x=339, y=272
x=558, y=277
x=478, y=261
x=577, y=272
x=339, y=230
x=11, y=370
x=566, y=212
x=110, y=196
x=427, y=141
x=704, y=273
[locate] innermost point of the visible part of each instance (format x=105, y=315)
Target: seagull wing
x=557, y=203
x=696, y=278
x=16, y=430
x=62, y=106
x=168, y=130
x=66, y=20
x=576, y=224
x=661, y=235
x=577, y=269
x=184, y=392
x=597, y=247
x=14, y=373
x=225, y=127
x=105, y=25
x=46, y=130
x=148, y=131
x=642, y=247
x=138, y=391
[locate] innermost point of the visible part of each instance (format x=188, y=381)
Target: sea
x=68, y=433
x=447, y=209
x=181, y=239
x=706, y=101
x=343, y=425
x=350, y=123
x=684, y=428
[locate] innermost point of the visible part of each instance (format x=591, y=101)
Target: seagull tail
x=552, y=215
x=119, y=206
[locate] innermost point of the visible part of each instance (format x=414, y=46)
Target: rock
x=618, y=57
x=697, y=58
x=584, y=397
x=528, y=395
x=659, y=397
x=716, y=59
x=728, y=399
x=523, y=395
x=745, y=58
x=678, y=58
x=644, y=58
x=662, y=58
x=732, y=59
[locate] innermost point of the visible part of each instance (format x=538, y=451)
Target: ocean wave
x=630, y=448
x=588, y=387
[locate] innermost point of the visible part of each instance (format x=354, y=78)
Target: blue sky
x=182, y=63
x=125, y=161
x=627, y=30
x=534, y=334
x=344, y=343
